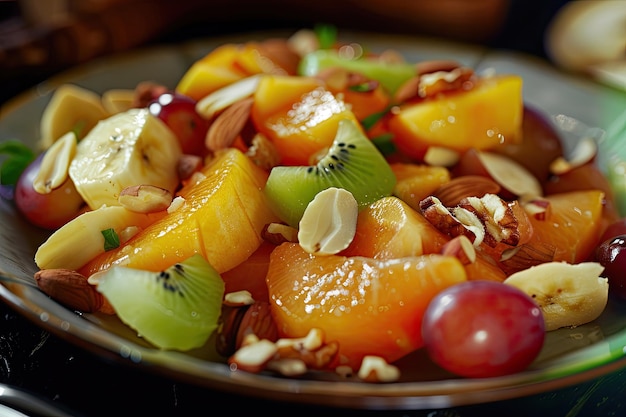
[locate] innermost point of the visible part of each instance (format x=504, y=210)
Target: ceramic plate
x=570, y=356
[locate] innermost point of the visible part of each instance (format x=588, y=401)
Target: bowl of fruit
x=345, y=220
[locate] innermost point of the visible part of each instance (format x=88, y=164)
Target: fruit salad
x=303, y=205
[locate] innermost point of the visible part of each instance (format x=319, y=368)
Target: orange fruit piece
x=415, y=182
x=482, y=117
x=389, y=228
x=370, y=307
x=298, y=115
x=222, y=217
x=573, y=225
x=250, y=274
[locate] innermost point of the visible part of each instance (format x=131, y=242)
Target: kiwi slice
x=177, y=308
x=353, y=162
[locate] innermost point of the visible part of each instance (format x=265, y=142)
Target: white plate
x=570, y=356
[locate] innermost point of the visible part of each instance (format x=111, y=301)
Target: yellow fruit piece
x=299, y=116
x=222, y=217
x=212, y=72
x=416, y=182
x=485, y=116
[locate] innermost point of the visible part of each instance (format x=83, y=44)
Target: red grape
x=178, y=112
x=611, y=254
x=483, y=329
x=51, y=210
x=614, y=229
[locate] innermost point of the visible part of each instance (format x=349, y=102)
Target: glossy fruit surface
x=178, y=112
x=221, y=217
x=370, y=307
x=51, y=210
x=483, y=329
x=611, y=254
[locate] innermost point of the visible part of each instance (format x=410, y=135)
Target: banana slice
x=127, y=149
x=568, y=294
x=71, y=109
x=81, y=239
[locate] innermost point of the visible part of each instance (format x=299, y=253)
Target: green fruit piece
x=391, y=76
x=177, y=308
x=352, y=163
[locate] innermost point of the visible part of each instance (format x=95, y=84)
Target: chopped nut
x=447, y=222
x=460, y=247
x=584, y=152
x=501, y=224
x=433, y=83
x=328, y=224
x=253, y=357
x=145, y=198
x=344, y=371
x=263, y=152
x=440, y=156
x=436, y=65
x=539, y=208
x=278, y=233
x=452, y=192
x=311, y=349
x=526, y=255
x=238, y=323
x=287, y=366
x=257, y=320
x=53, y=171
x=312, y=341
x=70, y=288
x=228, y=125
x=376, y=369
x=177, y=203
x=238, y=298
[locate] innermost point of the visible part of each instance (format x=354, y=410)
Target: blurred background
x=39, y=38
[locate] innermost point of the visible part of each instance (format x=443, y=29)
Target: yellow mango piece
x=298, y=115
x=485, y=116
x=221, y=217
x=415, y=182
x=211, y=72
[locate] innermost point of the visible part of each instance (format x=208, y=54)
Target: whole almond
x=452, y=192
x=70, y=288
x=228, y=125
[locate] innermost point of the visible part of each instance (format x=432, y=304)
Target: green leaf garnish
x=373, y=118
x=18, y=157
x=326, y=35
x=111, y=239
x=384, y=143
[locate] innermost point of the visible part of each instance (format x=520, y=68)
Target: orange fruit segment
x=298, y=115
x=415, y=182
x=485, y=116
x=370, y=307
x=389, y=228
x=573, y=225
x=221, y=217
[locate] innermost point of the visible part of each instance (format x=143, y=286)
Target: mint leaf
x=18, y=157
x=111, y=239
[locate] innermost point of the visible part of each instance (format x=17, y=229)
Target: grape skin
x=611, y=254
x=481, y=329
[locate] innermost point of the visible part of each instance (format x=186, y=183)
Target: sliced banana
x=568, y=294
x=127, y=149
x=71, y=109
x=81, y=239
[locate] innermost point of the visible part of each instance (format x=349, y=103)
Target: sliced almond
x=376, y=369
x=328, y=224
x=54, y=168
x=225, y=97
x=278, y=233
x=145, y=198
x=511, y=175
x=584, y=152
